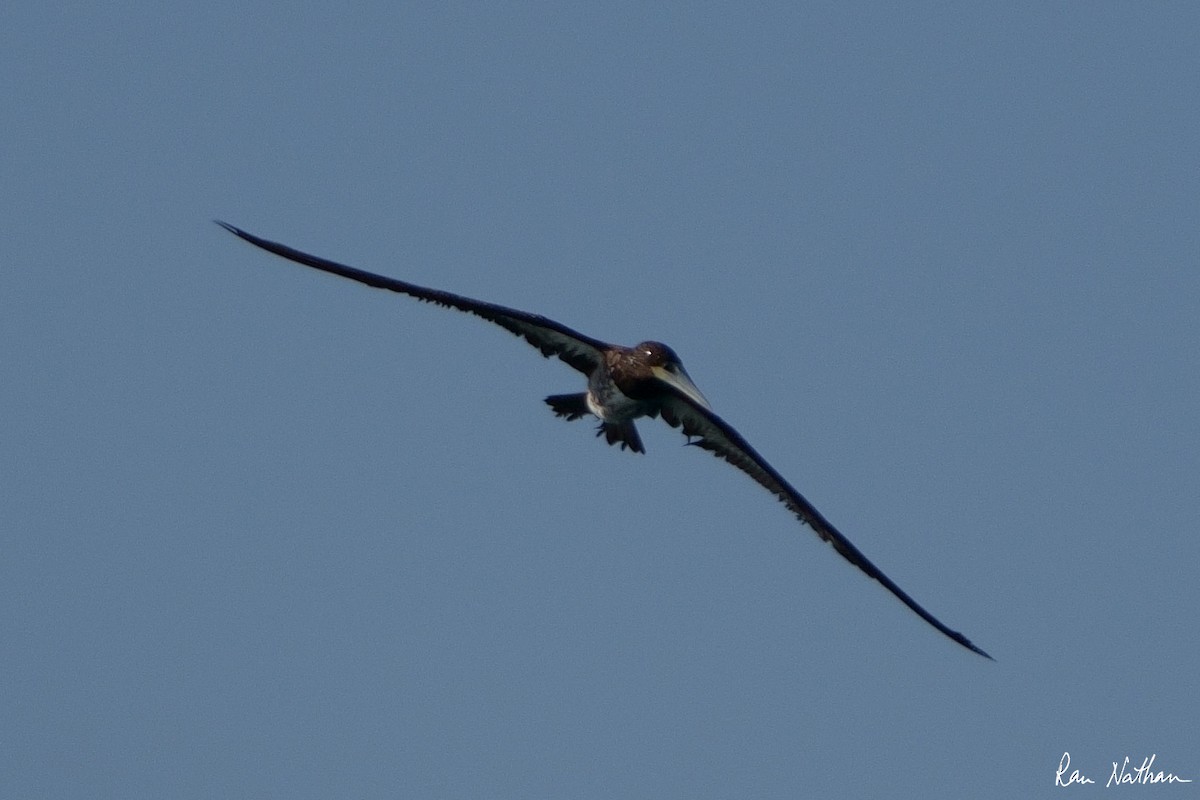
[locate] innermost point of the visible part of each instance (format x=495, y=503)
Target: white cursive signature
x=1075, y=777
x=1121, y=773
x=1143, y=774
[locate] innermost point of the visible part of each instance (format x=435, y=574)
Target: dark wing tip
x=965, y=642
x=236, y=231
x=285, y=251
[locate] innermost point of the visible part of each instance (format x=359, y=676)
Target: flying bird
x=624, y=384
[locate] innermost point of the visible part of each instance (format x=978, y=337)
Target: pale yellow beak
x=676, y=377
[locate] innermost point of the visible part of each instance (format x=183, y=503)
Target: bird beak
x=675, y=376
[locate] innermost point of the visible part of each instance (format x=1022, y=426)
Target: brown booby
x=625, y=383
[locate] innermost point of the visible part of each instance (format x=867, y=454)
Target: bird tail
x=622, y=433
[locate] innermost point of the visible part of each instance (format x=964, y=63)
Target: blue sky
x=272, y=534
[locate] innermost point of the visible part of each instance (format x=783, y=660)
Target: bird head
x=665, y=365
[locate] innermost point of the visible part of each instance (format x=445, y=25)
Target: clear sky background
x=268, y=533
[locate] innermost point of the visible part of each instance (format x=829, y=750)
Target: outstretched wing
x=714, y=434
x=552, y=338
